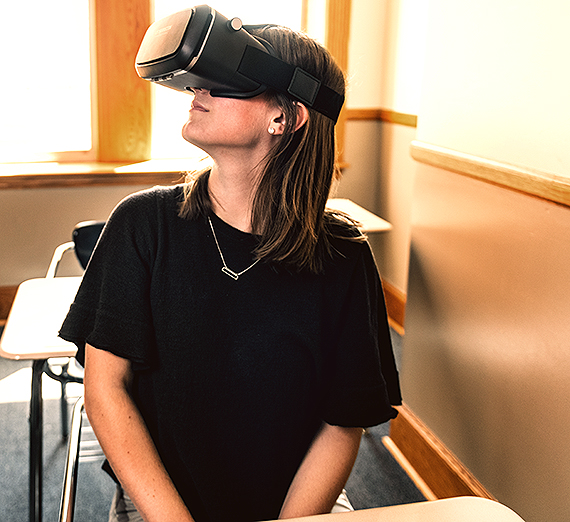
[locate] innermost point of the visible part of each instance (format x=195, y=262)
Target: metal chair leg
x=63, y=403
x=67, y=506
x=36, y=443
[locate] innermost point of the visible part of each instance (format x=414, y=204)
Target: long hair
x=289, y=204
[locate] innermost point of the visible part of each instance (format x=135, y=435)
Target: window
x=55, y=109
x=45, y=97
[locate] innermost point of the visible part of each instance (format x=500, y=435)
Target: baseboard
x=439, y=469
x=408, y=468
x=7, y=294
x=395, y=306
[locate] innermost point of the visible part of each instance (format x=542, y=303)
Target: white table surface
x=370, y=222
x=39, y=308
x=459, y=509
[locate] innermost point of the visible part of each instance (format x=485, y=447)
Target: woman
x=233, y=334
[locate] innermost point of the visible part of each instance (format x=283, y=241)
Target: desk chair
x=85, y=236
x=67, y=506
x=30, y=333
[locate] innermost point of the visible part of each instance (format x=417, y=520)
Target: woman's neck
x=232, y=191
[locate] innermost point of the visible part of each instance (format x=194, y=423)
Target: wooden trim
x=363, y=114
x=385, y=115
x=305, y=15
x=124, y=103
x=336, y=41
x=441, y=471
x=7, y=294
x=408, y=468
x=395, y=306
x=409, y=120
x=338, y=30
x=522, y=179
x=89, y=179
x=53, y=175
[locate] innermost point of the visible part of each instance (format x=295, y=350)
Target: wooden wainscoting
x=385, y=115
x=395, y=306
x=436, y=471
x=7, y=294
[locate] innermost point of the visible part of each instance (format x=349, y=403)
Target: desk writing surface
x=39, y=308
x=369, y=222
x=458, y=509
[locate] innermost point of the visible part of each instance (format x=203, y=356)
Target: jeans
x=123, y=510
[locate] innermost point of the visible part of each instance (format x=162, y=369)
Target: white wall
x=34, y=221
x=396, y=184
x=497, y=81
x=385, y=70
x=368, y=31
x=486, y=359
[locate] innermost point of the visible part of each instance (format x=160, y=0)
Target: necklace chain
x=225, y=269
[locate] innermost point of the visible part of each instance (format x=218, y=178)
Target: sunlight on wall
x=497, y=82
x=170, y=110
x=366, y=51
x=403, y=54
x=45, y=95
x=410, y=55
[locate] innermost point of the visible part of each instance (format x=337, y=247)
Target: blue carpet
x=95, y=489
x=377, y=480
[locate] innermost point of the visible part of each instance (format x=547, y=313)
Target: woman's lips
x=198, y=107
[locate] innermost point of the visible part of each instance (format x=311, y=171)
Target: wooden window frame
x=122, y=104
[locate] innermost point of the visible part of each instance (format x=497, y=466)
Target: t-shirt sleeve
x=363, y=384
x=111, y=310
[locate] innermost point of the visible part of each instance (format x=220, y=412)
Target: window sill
x=56, y=175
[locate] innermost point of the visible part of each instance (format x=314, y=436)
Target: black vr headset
x=200, y=48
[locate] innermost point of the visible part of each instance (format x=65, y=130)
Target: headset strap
x=263, y=68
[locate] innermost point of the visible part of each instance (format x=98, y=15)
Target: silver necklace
x=225, y=269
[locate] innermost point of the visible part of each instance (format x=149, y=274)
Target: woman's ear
x=302, y=115
x=277, y=126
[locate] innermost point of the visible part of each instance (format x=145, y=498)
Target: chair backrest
x=85, y=237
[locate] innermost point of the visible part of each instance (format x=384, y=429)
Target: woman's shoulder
x=154, y=195
x=150, y=200
x=342, y=228
x=348, y=244
x=143, y=211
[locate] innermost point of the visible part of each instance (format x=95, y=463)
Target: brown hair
x=289, y=205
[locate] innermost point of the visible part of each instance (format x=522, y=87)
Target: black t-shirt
x=233, y=378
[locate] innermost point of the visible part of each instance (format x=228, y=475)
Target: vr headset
x=200, y=48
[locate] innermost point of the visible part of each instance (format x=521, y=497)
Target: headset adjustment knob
x=235, y=24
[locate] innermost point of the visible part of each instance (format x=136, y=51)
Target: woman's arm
x=323, y=472
x=125, y=439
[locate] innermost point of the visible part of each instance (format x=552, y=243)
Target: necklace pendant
x=230, y=273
